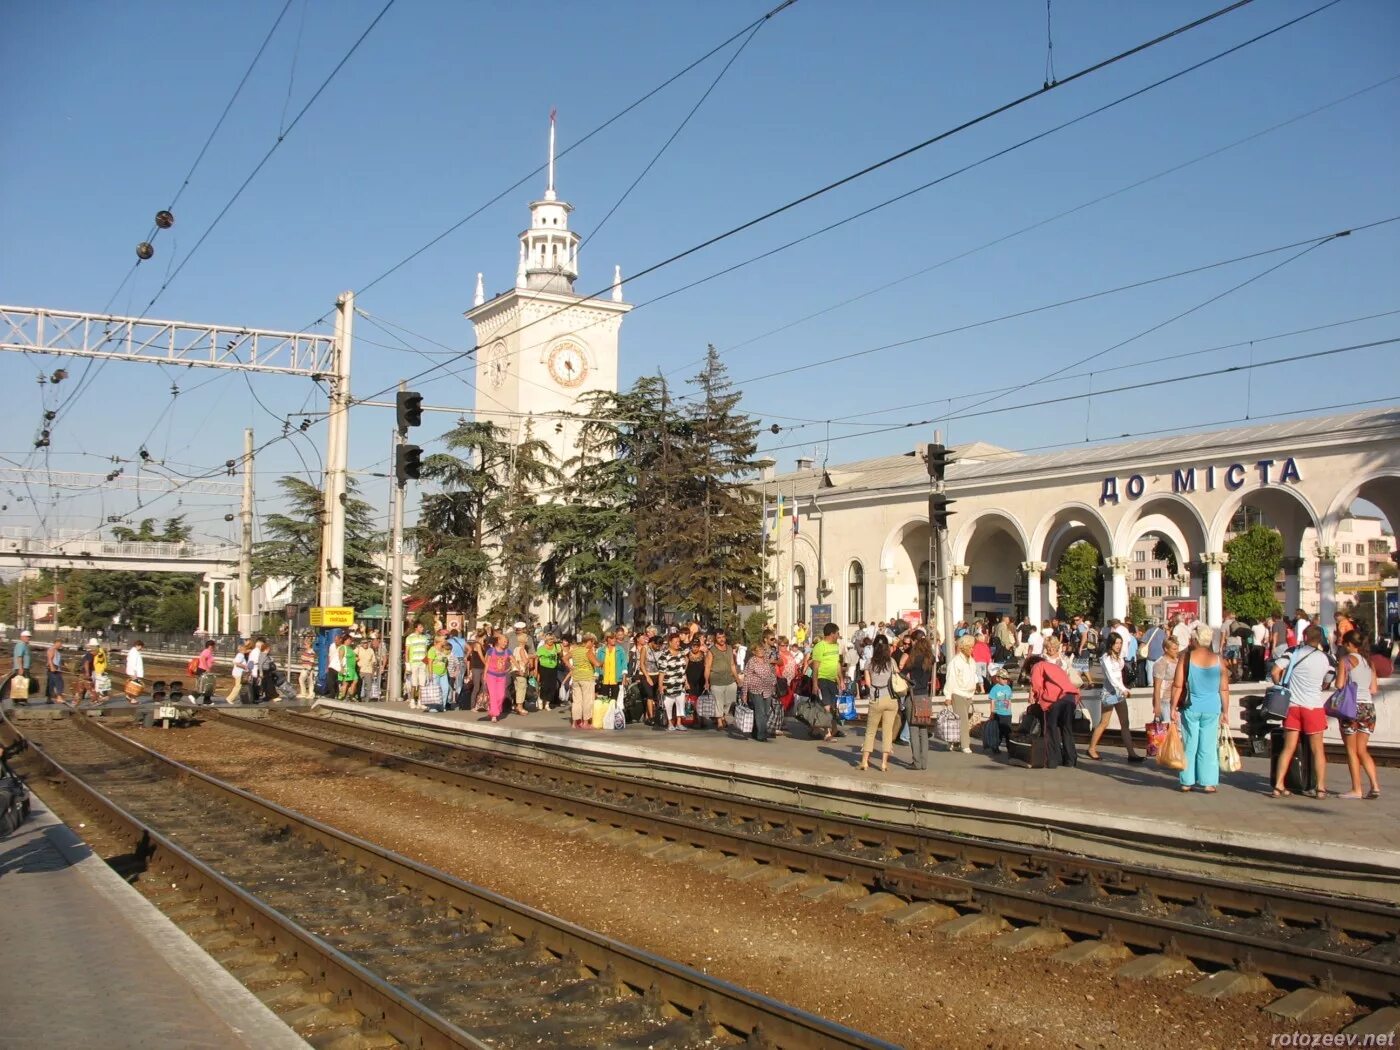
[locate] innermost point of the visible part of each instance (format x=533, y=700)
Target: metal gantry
x=38, y=330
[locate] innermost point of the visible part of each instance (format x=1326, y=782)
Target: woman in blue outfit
x=1200, y=706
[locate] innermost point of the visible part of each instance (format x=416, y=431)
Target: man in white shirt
x=1300, y=624
x=1035, y=644
x=1181, y=632
x=1306, y=668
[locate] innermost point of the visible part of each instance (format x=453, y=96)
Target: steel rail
x=710, y=1003
x=406, y=1019
x=1298, y=937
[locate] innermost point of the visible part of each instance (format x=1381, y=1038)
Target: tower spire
x=549, y=194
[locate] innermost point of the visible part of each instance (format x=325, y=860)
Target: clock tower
x=541, y=345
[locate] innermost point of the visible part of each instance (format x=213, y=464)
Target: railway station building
x=863, y=543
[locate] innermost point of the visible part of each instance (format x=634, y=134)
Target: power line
x=908, y=151
x=257, y=168
x=679, y=128
x=1175, y=357
x=1024, y=405
x=1013, y=315
x=1015, y=233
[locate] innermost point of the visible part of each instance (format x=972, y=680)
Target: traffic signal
x=410, y=410
x=938, y=512
x=408, y=463
x=937, y=458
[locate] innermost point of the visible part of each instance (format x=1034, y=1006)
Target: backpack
x=192, y=668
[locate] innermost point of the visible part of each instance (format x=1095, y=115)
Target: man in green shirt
x=824, y=665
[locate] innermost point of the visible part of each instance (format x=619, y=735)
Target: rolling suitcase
x=1300, y=776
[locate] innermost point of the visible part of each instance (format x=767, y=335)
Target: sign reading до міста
x=1188, y=479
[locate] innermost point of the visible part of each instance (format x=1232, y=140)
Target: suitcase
x=991, y=734
x=1301, y=775
x=1029, y=751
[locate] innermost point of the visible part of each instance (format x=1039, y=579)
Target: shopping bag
x=706, y=707
x=133, y=688
x=102, y=684
x=1172, y=753
x=1342, y=703
x=1229, y=755
x=1156, y=733
x=947, y=727
x=846, y=707
x=617, y=716
x=743, y=718
x=19, y=688
x=688, y=715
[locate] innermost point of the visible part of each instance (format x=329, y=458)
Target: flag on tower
x=794, y=512
x=553, y=112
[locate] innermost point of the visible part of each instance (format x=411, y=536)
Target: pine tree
x=461, y=527
x=724, y=515
x=293, y=553
x=518, y=582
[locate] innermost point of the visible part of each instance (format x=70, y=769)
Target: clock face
x=497, y=366
x=567, y=365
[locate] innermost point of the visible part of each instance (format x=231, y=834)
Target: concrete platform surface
x=90, y=962
x=1109, y=800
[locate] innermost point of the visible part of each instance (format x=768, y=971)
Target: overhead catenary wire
x=900, y=155
x=247, y=181
x=851, y=420
x=885, y=286
x=1062, y=399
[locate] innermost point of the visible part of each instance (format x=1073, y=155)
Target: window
x=1346, y=548
x=1139, y=555
x=855, y=593
x=1156, y=592
x=1141, y=574
x=799, y=594
x=1141, y=592
x=1159, y=573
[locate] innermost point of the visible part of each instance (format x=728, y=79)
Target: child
x=1000, y=696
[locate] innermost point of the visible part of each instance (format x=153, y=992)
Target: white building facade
x=864, y=536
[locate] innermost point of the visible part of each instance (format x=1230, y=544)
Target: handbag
x=102, y=684
x=743, y=718
x=899, y=685
x=1342, y=703
x=133, y=688
x=921, y=711
x=947, y=727
x=1278, y=697
x=781, y=686
x=205, y=683
x=1229, y=756
x=706, y=707
x=1156, y=733
x=846, y=707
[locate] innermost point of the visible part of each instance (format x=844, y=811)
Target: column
x=1035, y=609
x=1327, y=587
x=1292, y=585
x=203, y=606
x=958, y=573
x=1214, y=561
x=227, y=602
x=1117, y=587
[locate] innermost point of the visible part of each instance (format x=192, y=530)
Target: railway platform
x=86, y=954
x=1108, y=808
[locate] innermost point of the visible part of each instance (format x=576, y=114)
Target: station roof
x=979, y=460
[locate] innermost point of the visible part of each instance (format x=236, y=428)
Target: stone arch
x=997, y=519
x=1289, y=511
x=1381, y=488
x=1067, y=525
x=1174, y=517
x=904, y=550
x=895, y=540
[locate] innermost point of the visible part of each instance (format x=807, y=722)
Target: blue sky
x=103, y=106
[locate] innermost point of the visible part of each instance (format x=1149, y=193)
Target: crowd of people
x=680, y=678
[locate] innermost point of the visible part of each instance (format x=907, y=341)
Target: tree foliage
x=478, y=531
x=1078, y=581
x=292, y=553
x=1256, y=555
x=1137, y=609
x=164, y=601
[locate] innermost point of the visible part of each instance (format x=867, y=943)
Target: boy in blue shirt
x=1000, y=696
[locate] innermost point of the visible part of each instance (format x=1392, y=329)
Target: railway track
x=363, y=947
x=1306, y=944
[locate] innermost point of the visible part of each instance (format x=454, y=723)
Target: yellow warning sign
x=332, y=616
